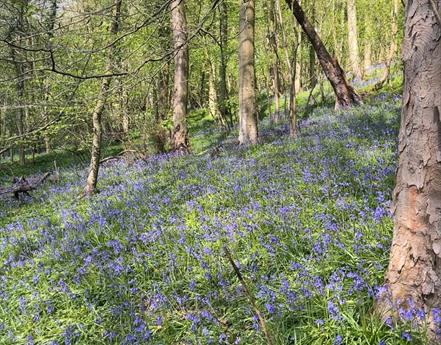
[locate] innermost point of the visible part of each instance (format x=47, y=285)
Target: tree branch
x=250, y=296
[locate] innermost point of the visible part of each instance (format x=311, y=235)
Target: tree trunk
x=20, y=81
x=281, y=24
x=367, y=55
x=292, y=95
x=298, y=81
x=273, y=39
x=46, y=85
x=247, y=92
x=20, y=112
x=180, y=91
x=413, y=275
x=311, y=59
x=213, y=106
x=393, y=46
x=353, y=38
x=345, y=94
x=223, y=91
x=92, y=177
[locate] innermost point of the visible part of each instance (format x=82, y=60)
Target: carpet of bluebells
x=143, y=261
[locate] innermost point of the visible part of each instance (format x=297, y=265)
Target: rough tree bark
x=180, y=91
x=345, y=94
x=354, y=56
x=92, y=177
x=413, y=273
x=247, y=88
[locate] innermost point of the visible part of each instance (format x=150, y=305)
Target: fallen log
x=22, y=186
x=128, y=155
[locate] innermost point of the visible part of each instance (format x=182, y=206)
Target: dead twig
x=251, y=297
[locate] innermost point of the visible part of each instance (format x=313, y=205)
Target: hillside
x=307, y=223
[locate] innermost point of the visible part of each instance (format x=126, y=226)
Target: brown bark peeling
x=414, y=269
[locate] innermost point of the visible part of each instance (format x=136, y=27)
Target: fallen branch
x=250, y=296
x=136, y=154
x=24, y=186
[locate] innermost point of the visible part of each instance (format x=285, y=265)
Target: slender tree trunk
x=223, y=90
x=20, y=81
x=46, y=85
x=285, y=78
x=213, y=105
x=298, y=81
x=124, y=100
x=367, y=55
x=20, y=112
x=414, y=276
x=92, y=177
x=345, y=94
x=353, y=38
x=273, y=39
x=292, y=95
x=393, y=46
x=180, y=92
x=247, y=84
x=311, y=66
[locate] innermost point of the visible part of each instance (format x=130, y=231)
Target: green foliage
x=306, y=221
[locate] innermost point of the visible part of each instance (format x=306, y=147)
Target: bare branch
x=250, y=296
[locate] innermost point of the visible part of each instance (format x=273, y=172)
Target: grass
x=45, y=162
x=142, y=262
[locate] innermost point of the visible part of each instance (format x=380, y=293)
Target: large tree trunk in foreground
x=344, y=93
x=353, y=38
x=180, y=91
x=414, y=274
x=92, y=177
x=247, y=90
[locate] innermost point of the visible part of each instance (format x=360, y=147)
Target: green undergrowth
x=143, y=262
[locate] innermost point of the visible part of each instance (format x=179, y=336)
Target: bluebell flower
x=337, y=340
x=406, y=336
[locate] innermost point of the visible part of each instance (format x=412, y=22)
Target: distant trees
x=247, y=84
x=344, y=93
x=413, y=277
x=54, y=57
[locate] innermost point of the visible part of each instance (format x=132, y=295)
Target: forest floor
x=307, y=223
